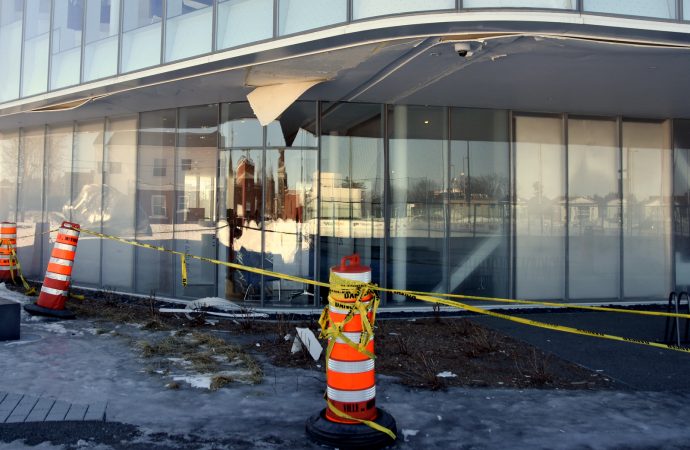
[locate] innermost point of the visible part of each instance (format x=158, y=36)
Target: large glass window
x=556, y=4
x=595, y=209
x=241, y=168
x=418, y=172
x=647, y=185
x=187, y=18
x=371, y=8
x=57, y=180
x=478, y=203
x=9, y=160
x=686, y=9
x=540, y=207
x=300, y=15
x=196, y=166
x=87, y=198
x=156, y=201
x=101, y=38
x=68, y=22
x=119, y=206
x=10, y=48
x=36, y=44
x=352, y=186
x=243, y=21
x=30, y=201
x=141, y=34
x=662, y=9
x=681, y=202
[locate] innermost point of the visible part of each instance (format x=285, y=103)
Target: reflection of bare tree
x=493, y=186
x=422, y=190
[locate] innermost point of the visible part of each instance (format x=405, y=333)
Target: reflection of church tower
x=270, y=193
x=245, y=187
x=282, y=184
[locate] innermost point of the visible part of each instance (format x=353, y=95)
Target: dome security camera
x=463, y=49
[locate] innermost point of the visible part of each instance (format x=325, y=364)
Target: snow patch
x=195, y=381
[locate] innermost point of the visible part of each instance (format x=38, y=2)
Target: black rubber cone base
x=36, y=310
x=350, y=436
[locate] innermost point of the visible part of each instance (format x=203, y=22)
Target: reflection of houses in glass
x=338, y=199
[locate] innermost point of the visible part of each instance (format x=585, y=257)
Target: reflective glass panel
x=686, y=9
x=352, y=186
x=540, y=207
x=30, y=202
x=370, y=8
x=36, y=44
x=478, y=202
x=241, y=197
x=418, y=173
x=156, y=201
x=556, y=4
x=681, y=202
x=11, y=14
x=9, y=160
x=242, y=241
x=300, y=15
x=196, y=167
x=87, y=186
x=647, y=185
x=289, y=221
x=57, y=182
x=68, y=22
x=594, y=209
x=243, y=21
x=101, y=38
x=187, y=18
x=119, y=205
x=662, y=9
x=239, y=127
x=141, y=34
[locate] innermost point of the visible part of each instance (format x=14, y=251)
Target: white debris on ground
x=446, y=374
x=305, y=337
x=408, y=433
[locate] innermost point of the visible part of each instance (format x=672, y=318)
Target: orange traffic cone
x=55, y=289
x=351, y=418
x=8, y=248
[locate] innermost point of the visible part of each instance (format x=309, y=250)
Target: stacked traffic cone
x=55, y=289
x=351, y=419
x=8, y=248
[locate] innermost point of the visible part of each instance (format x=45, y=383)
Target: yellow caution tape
x=183, y=265
x=14, y=260
x=369, y=423
x=434, y=298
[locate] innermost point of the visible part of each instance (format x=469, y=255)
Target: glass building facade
x=476, y=201
x=560, y=194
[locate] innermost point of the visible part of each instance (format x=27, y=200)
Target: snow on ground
x=78, y=366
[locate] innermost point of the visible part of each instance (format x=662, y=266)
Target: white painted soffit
x=269, y=102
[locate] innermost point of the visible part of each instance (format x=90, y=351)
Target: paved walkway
x=15, y=408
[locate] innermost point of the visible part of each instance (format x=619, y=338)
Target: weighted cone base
x=36, y=310
x=350, y=436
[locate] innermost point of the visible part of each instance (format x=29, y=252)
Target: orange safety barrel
x=8, y=248
x=55, y=289
x=350, y=376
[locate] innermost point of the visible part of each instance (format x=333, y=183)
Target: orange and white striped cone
x=351, y=419
x=55, y=289
x=8, y=248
